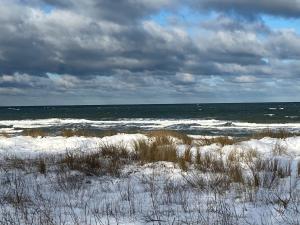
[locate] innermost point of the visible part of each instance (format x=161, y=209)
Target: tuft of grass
x=87, y=163
x=170, y=133
x=41, y=165
x=185, y=159
x=15, y=162
x=209, y=162
x=279, y=149
x=217, y=140
x=86, y=133
x=187, y=155
x=235, y=173
x=35, y=133
x=108, y=159
x=280, y=134
x=273, y=166
x=160, y=149
x=4, y=134
x=198, y=158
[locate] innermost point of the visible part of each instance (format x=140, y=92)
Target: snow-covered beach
x=255, y=181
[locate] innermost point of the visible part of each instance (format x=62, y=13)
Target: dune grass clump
x=86, y=163
x=35, y=133
x=186, y=159
x=279, y=149
x=170, y=133
x=4, y=134
x=279, y=134
x=86, y=133
x=160, y=149
x=274, y=166
x=41, y=165
x=15, y=162
x=217, y=140
x=108, y=159
x=209, y=162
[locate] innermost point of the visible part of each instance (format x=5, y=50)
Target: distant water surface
x=204, y=119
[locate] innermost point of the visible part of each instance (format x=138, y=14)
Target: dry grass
x=217, y=140
x=272, y=165
x=89, y=164
x=186, y=159
x=41, y=165
x=279, y=149
x=4, y=134
x=108, y=159
x=160, y=149
x=209, y=162
x=170, y=133
x=14, y=162
x=86, y=133
x=35, y=133
x=280, y=134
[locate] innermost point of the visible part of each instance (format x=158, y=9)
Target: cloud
x=252, y=8
x=245, y=79
x=120, y=50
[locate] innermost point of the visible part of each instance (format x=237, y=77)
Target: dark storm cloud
x=118, y=48
x=68, y=42
x=251, y=8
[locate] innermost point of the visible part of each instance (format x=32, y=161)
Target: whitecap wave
x=148, y=124
x=15, y=109
x=269, y=114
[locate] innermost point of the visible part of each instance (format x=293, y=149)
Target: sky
x=61, y=52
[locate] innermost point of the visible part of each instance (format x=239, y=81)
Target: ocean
x=236, y=119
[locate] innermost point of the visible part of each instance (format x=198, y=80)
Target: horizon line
x=137, y=104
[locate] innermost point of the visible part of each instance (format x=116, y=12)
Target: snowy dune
x=151, y=193
x=26, y=145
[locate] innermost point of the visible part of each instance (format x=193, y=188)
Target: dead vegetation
x=4, y=134
x=217, y=140
x=108, y=159
x=86, y=133
x=213, y=184
x=185, y=139
x=35, y=133
x=279, y=133
x=161, y=148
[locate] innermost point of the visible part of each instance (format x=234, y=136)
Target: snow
x=154, y=193
x=24, y=146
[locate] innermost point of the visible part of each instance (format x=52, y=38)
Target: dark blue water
x=247, y=112
x=191, y=118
